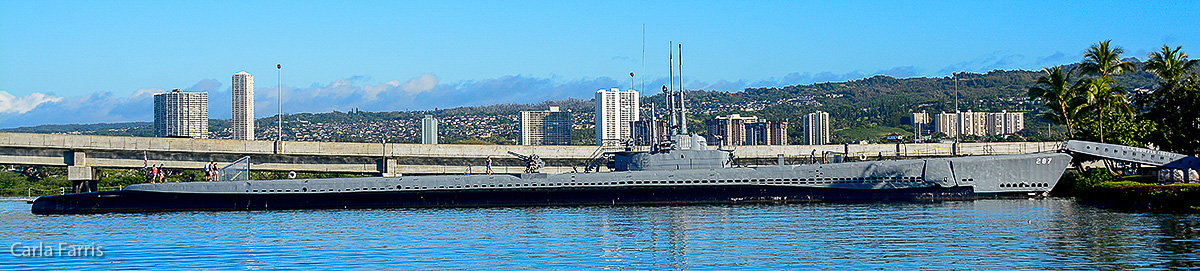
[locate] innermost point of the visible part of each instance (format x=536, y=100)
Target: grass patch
x=873, y=134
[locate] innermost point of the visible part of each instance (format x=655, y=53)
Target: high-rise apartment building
x=1005, y=123
x=816, y=128
x=766, y=133
x=979, y=123
x=616, y=111
x=734, y=130
x=429, y=130
x=973, y=123
x=243, y=106
x=647, y=132
x=946, y=123
x=920, y=123
x=729, y=130
x=550, y=127
x=181, y=114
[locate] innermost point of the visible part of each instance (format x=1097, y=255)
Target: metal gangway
x=1134, y=154
x=1177, y=164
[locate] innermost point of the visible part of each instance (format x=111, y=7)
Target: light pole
x=957, y=114
x=631, y=80
x=280, y=89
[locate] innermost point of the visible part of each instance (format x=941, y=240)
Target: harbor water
x=1052, y=233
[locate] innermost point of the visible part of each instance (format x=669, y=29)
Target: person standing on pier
x=153, y=174
x=489, y=165
x=208, y=173
x=216, y=172
x=162, y=174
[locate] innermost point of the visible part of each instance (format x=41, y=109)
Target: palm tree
x=1103, y=60
x=1171, y=67
x=1171, y=102
x=1058, y=94
x=1099, y=96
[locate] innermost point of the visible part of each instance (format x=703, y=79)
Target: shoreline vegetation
x=48, y=180
x=1138, y=193
x=1089, y=99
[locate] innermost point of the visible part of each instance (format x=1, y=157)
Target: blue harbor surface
x=1049, y=233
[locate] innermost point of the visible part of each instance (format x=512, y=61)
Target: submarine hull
x=145, y=201
x=960, y=178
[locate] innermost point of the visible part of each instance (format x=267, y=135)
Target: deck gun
x=533, y=163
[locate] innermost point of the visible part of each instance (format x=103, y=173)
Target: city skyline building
x=920, y=123
x=736, y=130
x=242, y=122
x=979, y=123
x=972, y=123
x=549, y=127
x=1005, y=123
x=816, y=128
x=616, y=111
x=946, y=123
x=429, y=130
x=729, y=130
x=181, y=114
x=647, y=132
x=766, y=133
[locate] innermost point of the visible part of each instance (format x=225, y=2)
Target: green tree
x=1171, y=66
x=1190, y=132
x=1173, y=103
x=1100, y=98
x=1054, y=88
x=1103, y=60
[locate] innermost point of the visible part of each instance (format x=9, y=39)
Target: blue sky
x=100, y=61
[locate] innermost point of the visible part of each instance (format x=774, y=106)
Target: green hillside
x=860, y=109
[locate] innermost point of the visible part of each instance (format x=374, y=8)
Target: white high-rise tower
x=429, y=130
x=816, y=128
x=616, y=111
x=243, y=106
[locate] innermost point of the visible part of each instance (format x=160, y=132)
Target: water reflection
x=1095, y=238
x=984, y=234
x=1180, y=243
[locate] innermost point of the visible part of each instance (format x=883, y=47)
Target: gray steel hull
x=899, y=180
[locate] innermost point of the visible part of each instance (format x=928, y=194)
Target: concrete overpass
x=82, y=154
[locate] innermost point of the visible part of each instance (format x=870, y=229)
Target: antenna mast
x=669, y=89
x=682, y=106
x=653, y=129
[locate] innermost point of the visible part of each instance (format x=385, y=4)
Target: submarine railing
x=594, y=161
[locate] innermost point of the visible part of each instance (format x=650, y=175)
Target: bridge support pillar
x=387, y=167
x=82, y=176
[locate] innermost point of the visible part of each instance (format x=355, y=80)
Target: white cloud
x=12, y=104
x=422, y=83
x=95, y=108
x=901, y=72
